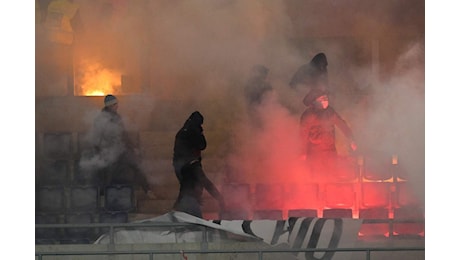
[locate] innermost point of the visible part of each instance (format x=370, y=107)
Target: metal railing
x=113, y=226
x=204, y=250
x=259, y=252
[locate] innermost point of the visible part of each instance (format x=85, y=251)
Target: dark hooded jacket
x=312, y=74
x=189, y=141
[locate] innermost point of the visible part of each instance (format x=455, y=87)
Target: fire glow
x=95, y=80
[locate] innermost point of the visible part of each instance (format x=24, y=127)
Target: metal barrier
x=204, y=250
x=112, y=226
x=260, y=253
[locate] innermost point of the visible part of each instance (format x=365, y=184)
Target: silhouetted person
x=257, y=85
x=114, y=150
x=189, y=143
x=313, y=74
x=255, y=91
x=318, y=123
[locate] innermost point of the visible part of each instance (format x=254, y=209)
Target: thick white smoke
x=200, y=52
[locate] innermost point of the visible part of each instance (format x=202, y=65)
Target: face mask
x=323, y=102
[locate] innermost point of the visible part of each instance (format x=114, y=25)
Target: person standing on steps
x=317, y=126
x=189, y=142
x=115, y=157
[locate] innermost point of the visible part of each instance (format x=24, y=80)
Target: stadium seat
x=83, y=142
x=57, y=145
x=339, y=195
x=268, y=196
x=84, y=199
x=53, y=172
x=272, y=214
x=79, y=235
x=405, y=195
x=301, y=195
x=85, y=176
x=302, y=213
x=47, y=235
x=119, y=198
x=50, y=199
x=375, y=194
x=112, y=217
x=373, y=229
x=409, y=221
x=337, y=213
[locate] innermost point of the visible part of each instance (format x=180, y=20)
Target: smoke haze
x=201, y=52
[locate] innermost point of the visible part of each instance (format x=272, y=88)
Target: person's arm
x=197, y=138
x=346, y=130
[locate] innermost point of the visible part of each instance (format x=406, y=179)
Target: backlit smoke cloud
x=200, y=52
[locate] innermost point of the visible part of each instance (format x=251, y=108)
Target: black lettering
x=246, y=226
x=278, y=231
x=333, y=243
x=304, y=226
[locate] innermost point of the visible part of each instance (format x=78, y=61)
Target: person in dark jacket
x=189, y=142
x=313, y=74
x=193, y=182
x=318, y=123
x=256, y=89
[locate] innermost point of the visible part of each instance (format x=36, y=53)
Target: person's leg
x=189, y=205
x=330, y=164
x=316, y=167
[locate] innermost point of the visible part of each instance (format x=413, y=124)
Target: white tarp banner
x=297, y=233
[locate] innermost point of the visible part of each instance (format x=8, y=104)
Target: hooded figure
x=189, y=143
x=257, y=86
x=312, y=95
x=312, y=74
x=317, y=125
x=256, y=90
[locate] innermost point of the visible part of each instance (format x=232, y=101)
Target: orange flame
x=96, y=80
